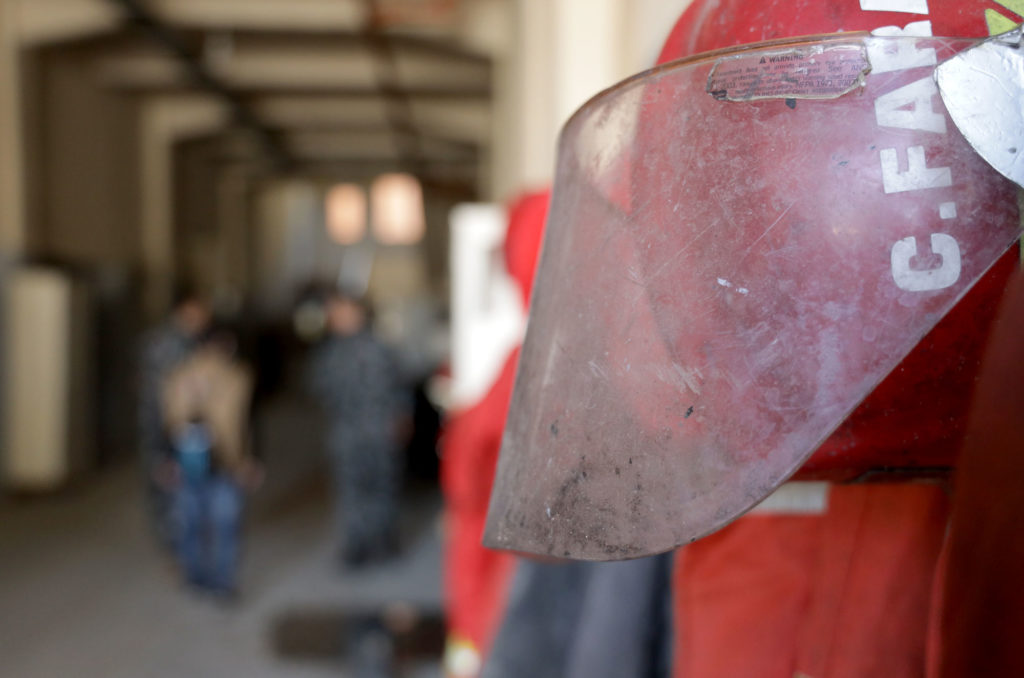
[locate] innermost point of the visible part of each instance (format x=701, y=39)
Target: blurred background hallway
x=85, y=592
x=257, y=153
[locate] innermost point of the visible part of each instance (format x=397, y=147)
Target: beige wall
x=87, y=166
x=66, y=145
x=12, y=205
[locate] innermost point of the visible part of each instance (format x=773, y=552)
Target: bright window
x=397, y=202
x=346, y=213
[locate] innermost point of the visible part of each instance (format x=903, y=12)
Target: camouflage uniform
x=163, y=349
x=356, y=380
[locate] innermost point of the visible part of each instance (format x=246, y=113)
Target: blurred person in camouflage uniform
x=355, y=377
x=164, y=348
x=206, y=411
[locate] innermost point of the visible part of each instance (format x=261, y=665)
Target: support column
x=164, y=121
x=589, y=50
x=563, y=52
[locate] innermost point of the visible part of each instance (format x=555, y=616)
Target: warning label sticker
x=813, y=72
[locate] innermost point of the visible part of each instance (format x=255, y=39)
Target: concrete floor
x=84, y=593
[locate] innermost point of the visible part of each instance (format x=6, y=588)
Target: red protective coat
x=848, y=592
x=983, y=607
x=845, y=594
x=476, y=578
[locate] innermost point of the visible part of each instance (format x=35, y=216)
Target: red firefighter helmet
x=914, y=421
x=753, y=255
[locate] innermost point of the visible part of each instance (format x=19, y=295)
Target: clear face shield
x=740, y=247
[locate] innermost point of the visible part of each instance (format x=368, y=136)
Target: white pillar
x=589, y=50
x=563, y=53
x=648, y=26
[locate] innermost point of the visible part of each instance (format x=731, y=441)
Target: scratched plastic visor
x=741, y=246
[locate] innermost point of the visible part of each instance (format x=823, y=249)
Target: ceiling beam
x=334, y=39
x=376, y=128
x=240, y=112
x=123, y=62
x=247, y=92
x=232, y=145
x=303, y=15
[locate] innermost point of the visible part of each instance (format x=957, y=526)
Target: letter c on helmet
x=914, y=280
